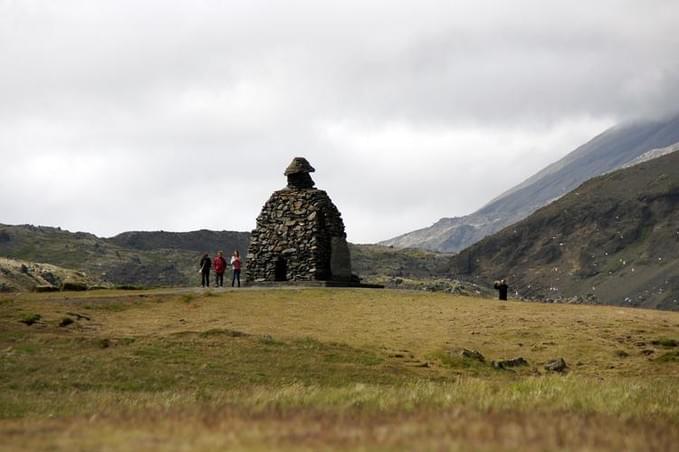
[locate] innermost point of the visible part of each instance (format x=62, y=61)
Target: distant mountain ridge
x=198, y=241
x=613, y=240
x=611, y=150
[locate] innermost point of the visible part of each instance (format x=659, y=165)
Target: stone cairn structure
x=300, y=235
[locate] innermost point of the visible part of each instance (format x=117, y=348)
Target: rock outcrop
x=22, y=276
x=557, y=365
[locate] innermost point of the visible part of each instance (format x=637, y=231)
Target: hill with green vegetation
x=165, y=259
x=332, y=369
x=99, y=258
x=411, y=268
x=377, y=261
x=613, y=240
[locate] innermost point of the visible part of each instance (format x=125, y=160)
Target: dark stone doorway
x=281, y=270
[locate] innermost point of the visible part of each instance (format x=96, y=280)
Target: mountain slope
x=609, y=151
x=614, y=240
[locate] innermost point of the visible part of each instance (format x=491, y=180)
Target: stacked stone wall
x=297, y=226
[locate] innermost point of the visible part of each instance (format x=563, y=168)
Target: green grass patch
x=669, y=357
x=584, y=396
x=30, y=319
x=453, y=360
x=666, y=342
x=218, y=359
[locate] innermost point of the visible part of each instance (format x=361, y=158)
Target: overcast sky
x=181, y=115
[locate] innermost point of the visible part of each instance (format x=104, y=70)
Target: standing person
x=219, y=264
x=236, y=264
x=205, y=264
x=502, y=287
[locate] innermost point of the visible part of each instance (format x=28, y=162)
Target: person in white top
x=236, y=264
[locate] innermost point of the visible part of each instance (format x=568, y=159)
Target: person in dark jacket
x=502, y=287
x=219, y=264
x=205, y=264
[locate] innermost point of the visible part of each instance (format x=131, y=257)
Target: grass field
x=330, y=369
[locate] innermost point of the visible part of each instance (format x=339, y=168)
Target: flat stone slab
x=313, y=284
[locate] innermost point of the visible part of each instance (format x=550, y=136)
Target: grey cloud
x=175, y=104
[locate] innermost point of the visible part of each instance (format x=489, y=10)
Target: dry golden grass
x=418, y=322
x=456, y=430
x=331, y=369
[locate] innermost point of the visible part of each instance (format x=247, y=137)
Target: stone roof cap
x=299, y=165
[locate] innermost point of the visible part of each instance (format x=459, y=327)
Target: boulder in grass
x=557, y=365
x=473, y=354
x=66, y=321
x=51, y=278
x=509, y=363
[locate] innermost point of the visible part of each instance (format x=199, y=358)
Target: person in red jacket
x=219, y=264
x=236, y=263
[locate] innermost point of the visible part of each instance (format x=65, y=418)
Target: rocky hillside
x=203, y=241
x=613, y=149
x=23, y=276
x=156, y=259
x=376, y=261
x=613, y=240
x=147, y=259
x=410, y=268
